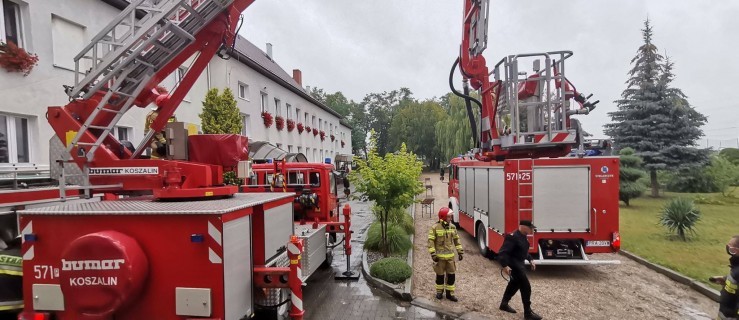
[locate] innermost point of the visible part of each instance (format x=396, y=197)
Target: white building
x=57, y=30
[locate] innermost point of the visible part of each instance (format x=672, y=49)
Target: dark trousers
x=519, y=281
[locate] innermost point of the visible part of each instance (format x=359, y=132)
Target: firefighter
x=443, y=242
x=11, y=277
x=512, y=254
x=729, y=301
x=158, y=143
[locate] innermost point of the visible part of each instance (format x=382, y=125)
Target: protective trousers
x=519, y=281
x=442, y=267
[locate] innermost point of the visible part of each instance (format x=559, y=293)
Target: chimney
x=298, y=76
x=269, y=51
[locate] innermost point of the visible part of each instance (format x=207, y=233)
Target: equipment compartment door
x=561, y=198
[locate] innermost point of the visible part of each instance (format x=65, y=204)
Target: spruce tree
x=629, y=175
x=655, y=119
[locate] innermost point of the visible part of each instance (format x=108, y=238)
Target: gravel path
x=626, y=291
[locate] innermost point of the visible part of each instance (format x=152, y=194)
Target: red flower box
x=280, y=122
x=267, y=117
x=290, y=125
x=333, y=138
x=15, y=59
x=323, y=135
x=315, y=132
x=342, y=143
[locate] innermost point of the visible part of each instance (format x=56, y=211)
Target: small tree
x=630, y=187
x=723, y=173
x=391, y=181
x=221, y=116
x=220, y=113
x=680, y=216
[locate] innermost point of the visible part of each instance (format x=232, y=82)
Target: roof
x=258, y=60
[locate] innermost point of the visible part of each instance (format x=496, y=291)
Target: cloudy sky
x=358, y=47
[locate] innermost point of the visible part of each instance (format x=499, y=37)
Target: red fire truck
x=168, y=239
x=519, y=169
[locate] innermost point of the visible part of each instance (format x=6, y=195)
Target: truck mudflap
x=541, y=261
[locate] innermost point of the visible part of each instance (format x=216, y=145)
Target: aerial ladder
x=121, y=68
x=521, y=116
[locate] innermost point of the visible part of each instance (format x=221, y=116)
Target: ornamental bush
x=398, y=240
x=393, y=270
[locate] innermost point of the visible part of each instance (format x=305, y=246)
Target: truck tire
x=329, y=259
x=280, y=313
x=481, y=240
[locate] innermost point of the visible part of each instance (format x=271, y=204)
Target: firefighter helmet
x=444, y=212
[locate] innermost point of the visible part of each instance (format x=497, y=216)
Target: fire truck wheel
x=481, y=244
x=329, y=259
x=280, y=313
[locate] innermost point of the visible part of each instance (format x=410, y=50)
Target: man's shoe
x=531, y=316
x=439, y=295
x=505, y=307
x=451, y=297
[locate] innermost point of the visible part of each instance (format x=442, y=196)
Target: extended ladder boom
x=521, y=116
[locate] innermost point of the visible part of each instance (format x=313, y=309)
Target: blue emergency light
x=327, y=161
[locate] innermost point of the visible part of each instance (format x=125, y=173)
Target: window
x=179, y=74
x=122, y=133
x=245, y=124
x=278, y=108
x=289, y=111
x=297, y=114
x=313, y=121
x=300, y=149
x=67, y=40
x=14, y=137
x=306, y=119
x=279, y=145
x=244, y=91
x=315, y=179
x=332, y=183
x=290, y=148
x=295, y=177
x=11, y=27
x=265, y=107
x=320, y=124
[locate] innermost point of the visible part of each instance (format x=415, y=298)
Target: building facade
x=57, y=30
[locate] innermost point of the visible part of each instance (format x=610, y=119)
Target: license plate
x=598, y=243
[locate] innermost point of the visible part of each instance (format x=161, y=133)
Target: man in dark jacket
x=512, y=254
x=729, y=302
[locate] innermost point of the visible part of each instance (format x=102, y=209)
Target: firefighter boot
x=530, y=315
x=439, y=287
x=450, y=287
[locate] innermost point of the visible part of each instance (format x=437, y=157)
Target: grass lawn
x=702, y=256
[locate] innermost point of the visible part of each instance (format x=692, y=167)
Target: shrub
x=392, y=270
x=398, y=241
x=629, y=185
x=680, y=216
x=694, y=180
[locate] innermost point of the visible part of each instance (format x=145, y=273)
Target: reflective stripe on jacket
x=444, y=240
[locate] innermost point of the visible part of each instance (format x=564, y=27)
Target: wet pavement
x=326, y=298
